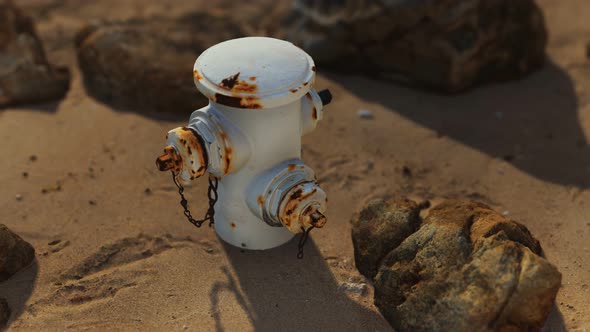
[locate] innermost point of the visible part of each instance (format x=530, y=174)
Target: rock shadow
x=555, y=322
x=532, y=123
x=18, y=289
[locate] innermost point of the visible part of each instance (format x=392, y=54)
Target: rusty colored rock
x=147, y=65
x=380, y=227
x=466, y=268
x=25, y=74
x=443, y=45
x=4, y=313
x=15, y=253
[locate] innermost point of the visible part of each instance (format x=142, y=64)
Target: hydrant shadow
x=279, y=292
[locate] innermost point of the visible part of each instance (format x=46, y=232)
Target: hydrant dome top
x=254, y=73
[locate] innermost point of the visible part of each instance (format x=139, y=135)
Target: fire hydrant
x=261, y=101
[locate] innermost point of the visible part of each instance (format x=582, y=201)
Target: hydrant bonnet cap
x=254, y=72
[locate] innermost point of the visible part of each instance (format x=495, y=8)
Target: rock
x=149, y=65
x=25, y=74
x=4, y=313
x=380, y=227
x=15, y=253
x=444, y=45
x=467, y=268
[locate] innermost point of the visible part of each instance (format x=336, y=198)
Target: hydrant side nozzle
x=186, y=155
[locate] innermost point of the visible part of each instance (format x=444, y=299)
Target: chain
x=209, y=216
x=302, y=240
x=212, y=193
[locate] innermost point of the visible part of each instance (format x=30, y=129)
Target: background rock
x=380, y=227
x=148, y=65
x=4, y=313
x=25, y=74
x=15, y=253
x=445, y=45
x=467, y=268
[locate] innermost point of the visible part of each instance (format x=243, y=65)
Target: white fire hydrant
x=261, y=101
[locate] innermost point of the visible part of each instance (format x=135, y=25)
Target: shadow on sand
x=532, y=123
x=292, y=294
x=18, y=289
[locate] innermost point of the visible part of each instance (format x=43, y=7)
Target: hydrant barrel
x=261, y=102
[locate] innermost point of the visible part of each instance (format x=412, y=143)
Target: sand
x=127, y=260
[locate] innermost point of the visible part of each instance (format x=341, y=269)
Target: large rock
x=15, y=253
x=25, y=74
x=446, y=45
x=4, y=313
x=465, y=268
x=380, y=227
x=148, y=65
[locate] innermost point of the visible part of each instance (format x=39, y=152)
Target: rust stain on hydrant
x=228, y=152
x=299, y=211
x=196, y=75
x=186, y=152
x=234, y=84
x=238, y=102
x=169, y=161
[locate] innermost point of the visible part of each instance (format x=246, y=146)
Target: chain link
x=212, y=193
x=302, y=240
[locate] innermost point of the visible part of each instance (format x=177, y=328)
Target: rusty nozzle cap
x=170, y=161
x=316, y=218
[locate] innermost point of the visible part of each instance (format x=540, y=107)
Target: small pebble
x=147, y=191
x=353, y=288
x=19, y=197
x=407, y=172
x=91, y=202
x=33, y=158
x=364, y=114
x=506, y=213
x=25, y=175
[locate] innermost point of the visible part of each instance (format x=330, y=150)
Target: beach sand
x=111, y=256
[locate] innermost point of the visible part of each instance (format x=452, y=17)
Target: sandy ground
x=521, y=147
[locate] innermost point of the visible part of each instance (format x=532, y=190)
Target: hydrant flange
x=226, y=147
x=242, y=73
